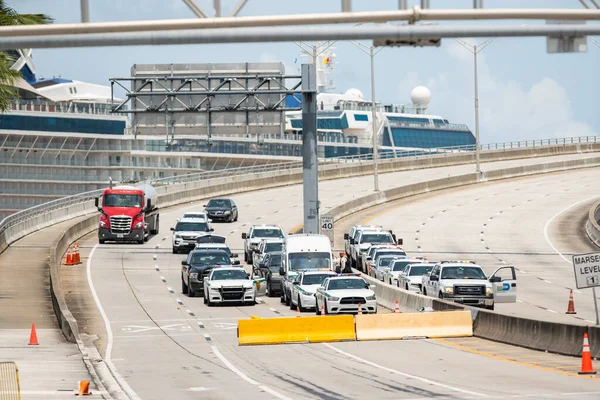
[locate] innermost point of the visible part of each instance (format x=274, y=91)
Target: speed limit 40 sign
x=326, y=225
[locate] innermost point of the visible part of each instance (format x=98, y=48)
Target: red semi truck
x=128, y=214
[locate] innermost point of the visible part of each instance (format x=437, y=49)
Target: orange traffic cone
x=322, y=310
x=33, y=340
x=397, y=308
x=84, y=388
x=298, y=311
x=69, y=257
x=571, y=307
x=359, y=309
x=76, y=257
x=586, y=358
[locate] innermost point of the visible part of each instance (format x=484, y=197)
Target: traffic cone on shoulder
x=397, y=308
x=298, y=311
x=322, y=310
x=571, y=307
x=33, y=340
x=76, y=257
x=83, y=389
x=586, y=358
x=69, y=260
x=359, y=309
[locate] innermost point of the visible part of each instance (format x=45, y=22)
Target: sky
x=524, y=92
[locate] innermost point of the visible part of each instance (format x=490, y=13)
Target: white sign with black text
x=327, y=226
x=587, y=270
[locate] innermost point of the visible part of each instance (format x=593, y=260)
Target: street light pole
x=374, y=124
x=477, y=168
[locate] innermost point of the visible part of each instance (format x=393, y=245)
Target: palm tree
x=9, y=77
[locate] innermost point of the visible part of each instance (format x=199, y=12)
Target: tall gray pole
x=310, y=170
x=85, y=11
x=374, y=121
x=478, y=170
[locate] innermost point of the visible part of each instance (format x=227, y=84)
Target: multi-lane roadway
x=166, y=345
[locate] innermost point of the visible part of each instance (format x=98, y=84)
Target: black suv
x=198, y=265
x=269, y=269
x=221, y=209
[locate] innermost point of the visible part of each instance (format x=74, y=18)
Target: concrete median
x=296, y=330
x=407, y=325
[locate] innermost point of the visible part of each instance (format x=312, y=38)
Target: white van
x=303, y=252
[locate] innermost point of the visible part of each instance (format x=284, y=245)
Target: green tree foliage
x=9, y=77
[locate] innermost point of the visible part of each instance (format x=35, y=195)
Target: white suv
x=187, y=231
x=255, y=235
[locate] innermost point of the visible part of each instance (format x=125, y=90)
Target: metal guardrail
x=87, y=196
x=384, y=154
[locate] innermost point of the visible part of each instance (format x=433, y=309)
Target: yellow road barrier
x=296, y=330
x=9, y=381
x=426, y=324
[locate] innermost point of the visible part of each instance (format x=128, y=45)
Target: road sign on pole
x=587, y=275
x=326, y=225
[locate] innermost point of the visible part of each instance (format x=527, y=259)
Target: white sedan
x=229, y=285
x=344, y=293
x=412, y=276
x=304, y=287
x=397, y=268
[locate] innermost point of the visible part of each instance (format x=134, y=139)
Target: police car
x=304, y=287
x=228, y=285
x=343, y=293
x=397, y=267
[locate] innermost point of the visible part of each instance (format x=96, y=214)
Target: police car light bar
x=353, y=274
x=458, y=262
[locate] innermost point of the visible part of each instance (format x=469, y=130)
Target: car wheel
x=270, y=290
x=141, y=241
x=101, y=241
x=175, y=250
x=490, y=307
x=440, y=296
x=191, y=292
x=292, y=304
x=424, y=292
x=287, y=299
x=204, y=298
x=317, y=309
x=325, y=308
x=407, y=287
x=300, y=304
x=184, y=287
x=236, y=216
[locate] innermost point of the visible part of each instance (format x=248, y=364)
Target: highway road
x=533, y=223
x=166, y=345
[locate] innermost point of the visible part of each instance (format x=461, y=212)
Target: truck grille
x=352, y=300
x=188, y=237
x=469, y=290
x=120, y=224
x=232, y=293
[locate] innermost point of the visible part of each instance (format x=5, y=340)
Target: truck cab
x=128, y=213
x=303, y=252
x=465, y=282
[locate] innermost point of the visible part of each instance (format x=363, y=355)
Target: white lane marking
x=591, y=322
x=519, y=301
x=190, y=312
x=547, y=281
x=552, y=219
x=393, y=371
x=162, y=278
x=179, y=302
x=577, y=291
x=109, y=333
x=157, y=268
x=552, y=311
x=198, y=389
x=200, y=324
x=207, y=337
x=245, y=377
x=170, y=289
x=154, y=257
x=157, y=246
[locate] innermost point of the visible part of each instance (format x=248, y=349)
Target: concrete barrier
x=406, y=325
x=296, y=330
x=594, y=340
x=592, y=227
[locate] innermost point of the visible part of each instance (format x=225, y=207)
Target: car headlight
x=193, y=275
x=177, y=237
x=214, y=289
x=138, y=225
x=103, y=224
x=371, y=297
x=449, y=290
x=227, y=212
x=333, y=298
x=249, y=289
x=489, y=291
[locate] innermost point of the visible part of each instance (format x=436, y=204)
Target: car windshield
x=122, y=200
x=350, y=283
x=218, y=203
x=267, y=233
x=316, y=260
x=419, y=270
x=211, y=259
x=314, y=279
x=228, y=274
x=271, y=247
x=224, y=248
x=384, y=261
x=377, y=238
x=192, y=226
x=462, y=273
x=399, y=265
x=194, y=215
x=396, y=253
x=275, y=263
x=211, y=239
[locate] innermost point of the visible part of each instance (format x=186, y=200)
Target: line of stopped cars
x=299, y=268
x=376, y=252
